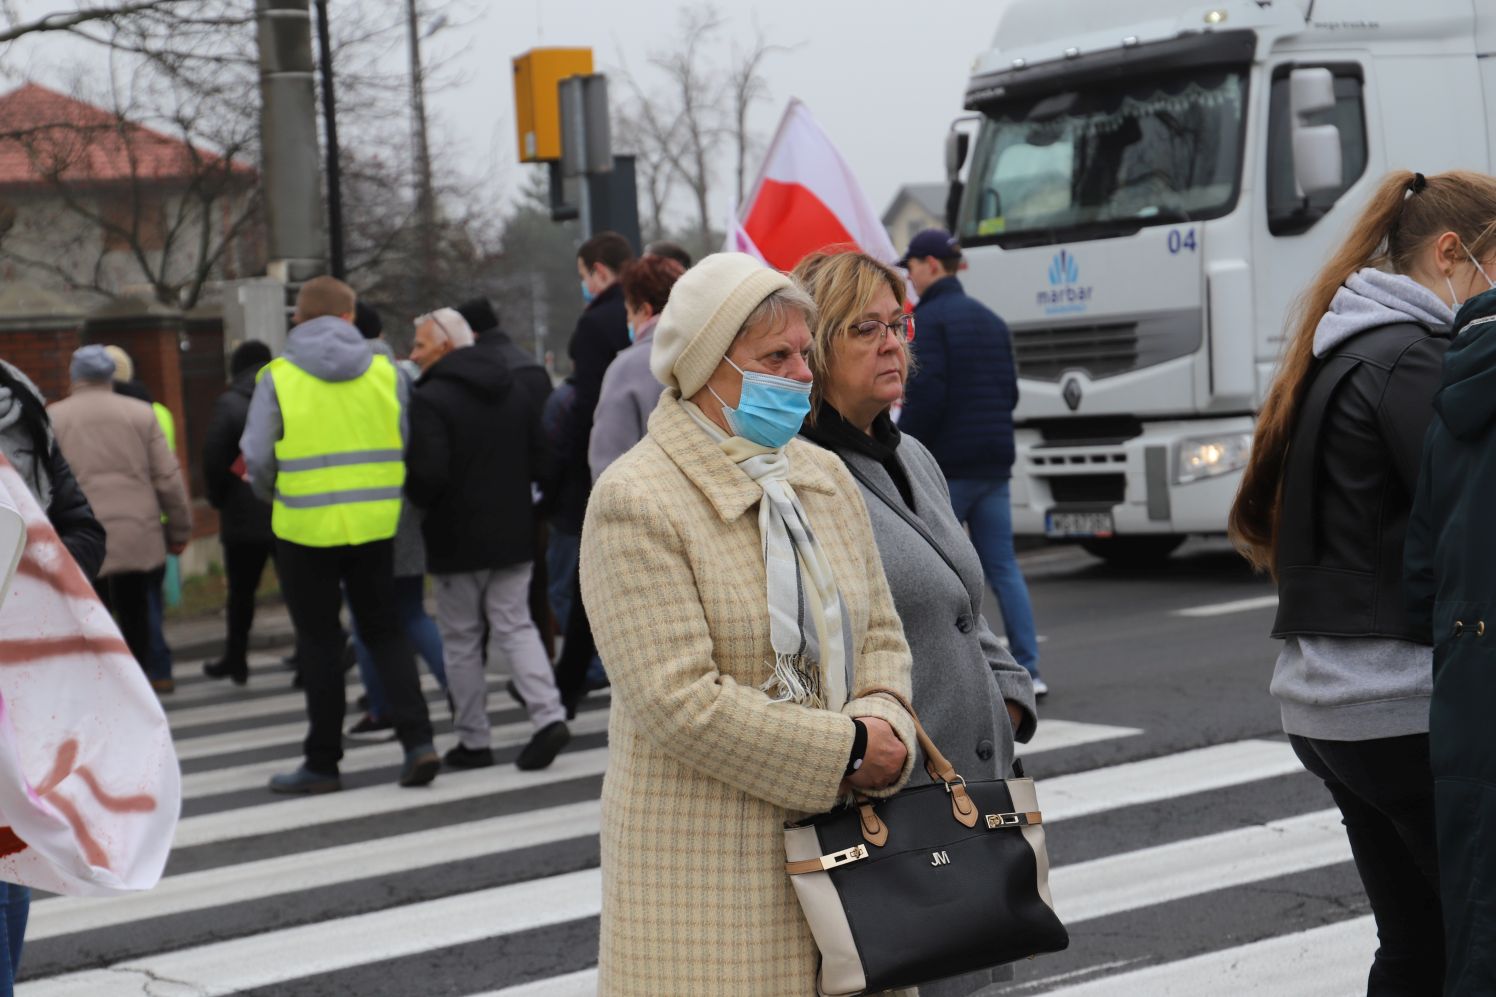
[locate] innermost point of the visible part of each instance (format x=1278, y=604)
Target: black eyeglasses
x=873, y=330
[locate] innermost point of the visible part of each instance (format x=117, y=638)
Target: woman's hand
x=884, y=758
x=1015, y=714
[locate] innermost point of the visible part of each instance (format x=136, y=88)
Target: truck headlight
x=1209, y=456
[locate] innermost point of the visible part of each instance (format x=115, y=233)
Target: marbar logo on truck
x=1066, y=294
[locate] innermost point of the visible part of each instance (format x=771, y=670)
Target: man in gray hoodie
x=324, y=444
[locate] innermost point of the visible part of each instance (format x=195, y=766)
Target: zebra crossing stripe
x=360, y=758
x=280, y=816
x=1333, y=959
x=1053, y=735
x=1129, y=880
x=251, y=881
x=1180, y=774
x=183, y=719
x=276, y=957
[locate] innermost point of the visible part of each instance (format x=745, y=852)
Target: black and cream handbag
x=936, y=881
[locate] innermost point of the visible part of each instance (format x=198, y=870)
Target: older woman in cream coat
x=727, y=720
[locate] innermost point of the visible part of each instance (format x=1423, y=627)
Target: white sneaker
x=1041, y=687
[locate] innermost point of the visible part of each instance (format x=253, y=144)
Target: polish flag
x=807, y=198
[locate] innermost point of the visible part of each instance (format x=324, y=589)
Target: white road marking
x=372, y=801
x=249, y=881
x=360, y=758
x=1227, y=608
x=1319, y=962
x=1053, y=735
x=1180, y=774
x=1156, y=875
x=273, y=957
x=185, y=718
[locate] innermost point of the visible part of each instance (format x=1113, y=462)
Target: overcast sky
x=884, y=77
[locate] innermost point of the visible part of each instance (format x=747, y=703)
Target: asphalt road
x=1189, y=851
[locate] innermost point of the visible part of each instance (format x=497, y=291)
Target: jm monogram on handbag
x=936, y=881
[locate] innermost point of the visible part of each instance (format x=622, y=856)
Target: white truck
x=1151, y=185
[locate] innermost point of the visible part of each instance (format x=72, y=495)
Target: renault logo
x=1071, y=393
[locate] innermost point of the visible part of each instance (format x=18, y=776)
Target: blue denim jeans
x=985, y=507
x=561, y=557
x=420, y=630
x=15, y=905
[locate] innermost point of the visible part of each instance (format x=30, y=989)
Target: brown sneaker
x=164, y=686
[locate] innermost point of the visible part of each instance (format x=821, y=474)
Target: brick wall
x=42, y=352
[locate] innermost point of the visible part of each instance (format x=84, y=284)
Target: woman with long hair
x=1324, y=506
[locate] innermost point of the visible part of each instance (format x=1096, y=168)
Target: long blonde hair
x=1406, y=211
x=843, y=285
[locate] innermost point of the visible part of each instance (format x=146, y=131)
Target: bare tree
x=13, y=27
x=700, y=107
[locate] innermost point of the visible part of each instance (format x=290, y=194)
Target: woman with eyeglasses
x=969, y=692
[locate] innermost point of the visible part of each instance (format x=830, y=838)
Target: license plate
x=1078, y=524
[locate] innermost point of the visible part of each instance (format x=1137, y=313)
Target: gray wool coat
x=962, y=674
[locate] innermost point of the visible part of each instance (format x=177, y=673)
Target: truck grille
x=1098, y=488
x=1044, y=352
x=1099, y=350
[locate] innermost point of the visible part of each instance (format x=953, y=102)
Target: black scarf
x=836, y=434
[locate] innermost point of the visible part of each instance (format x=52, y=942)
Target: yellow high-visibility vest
x=340, y=460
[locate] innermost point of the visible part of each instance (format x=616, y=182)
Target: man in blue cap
x=959, y=404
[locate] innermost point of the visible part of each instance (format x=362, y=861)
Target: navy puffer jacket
x=959, y=403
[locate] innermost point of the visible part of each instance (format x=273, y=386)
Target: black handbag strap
x=914, y=522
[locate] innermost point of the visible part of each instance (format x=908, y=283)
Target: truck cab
x=1151, y=184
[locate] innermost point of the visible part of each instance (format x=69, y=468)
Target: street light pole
x=425, y=196
x=330, y=125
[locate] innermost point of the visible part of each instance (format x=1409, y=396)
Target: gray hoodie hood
x=329, y=348
x=1373, y=298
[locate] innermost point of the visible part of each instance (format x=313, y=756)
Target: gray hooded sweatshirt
x=327, y=348
x=1359, y=688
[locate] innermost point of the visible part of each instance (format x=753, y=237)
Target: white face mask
x=1454, y=299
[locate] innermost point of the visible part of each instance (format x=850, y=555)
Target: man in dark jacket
x=1450, y=587
x=243, y=520
x=530, y=377
x=476, y=448
x=959, y=404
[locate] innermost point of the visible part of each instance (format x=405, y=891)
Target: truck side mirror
x=1317, y=167
x=956, y=145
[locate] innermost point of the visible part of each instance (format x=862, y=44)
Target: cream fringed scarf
x=808, y=624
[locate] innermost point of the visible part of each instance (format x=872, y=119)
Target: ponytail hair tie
x=1418, y=184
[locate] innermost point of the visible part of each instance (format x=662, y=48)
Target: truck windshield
x=1106, y=159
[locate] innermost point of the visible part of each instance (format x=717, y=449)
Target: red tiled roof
x=47, y=137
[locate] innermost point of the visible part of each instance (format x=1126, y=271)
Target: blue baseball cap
x=936, y=242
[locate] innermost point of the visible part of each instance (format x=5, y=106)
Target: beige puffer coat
x=120, y=457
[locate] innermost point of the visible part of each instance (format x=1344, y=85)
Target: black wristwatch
x=859, y=747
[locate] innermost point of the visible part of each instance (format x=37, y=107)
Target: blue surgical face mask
x=632, y=333
x=586, y=292
x=770, y=409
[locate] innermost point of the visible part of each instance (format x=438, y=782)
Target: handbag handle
x=936, y=764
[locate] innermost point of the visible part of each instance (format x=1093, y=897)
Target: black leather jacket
x=1348, y=485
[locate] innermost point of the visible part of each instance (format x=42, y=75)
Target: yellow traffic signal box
x=537, y=109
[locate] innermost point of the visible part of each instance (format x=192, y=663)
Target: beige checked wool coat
x=704, y=770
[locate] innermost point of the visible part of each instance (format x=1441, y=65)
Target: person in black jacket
x=475, y=449
x=25, y=433
x=531, y=377
x=1324, y=504
x=243, y=520
x=1450, y=587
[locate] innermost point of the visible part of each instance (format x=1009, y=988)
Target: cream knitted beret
x=706, y=309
